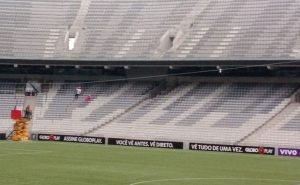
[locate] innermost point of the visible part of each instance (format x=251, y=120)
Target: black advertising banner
x=70, y=138
x=145, y=143
x=232, y=148
x=2, y=136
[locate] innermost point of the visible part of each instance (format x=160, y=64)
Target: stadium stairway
x=64, y=115
x=30, y=101
x=159, y=110
x=81, y=113
x=47, y=98
x=142, y=102
x=232, y=112
x=107, y=122
x=256, y=136
x=180, y=31
x=263, y=134
x=80, y=16
x=188, y=111
x=125, y=30
x=200, y=104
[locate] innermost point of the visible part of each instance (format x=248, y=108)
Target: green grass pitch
x=53, y=163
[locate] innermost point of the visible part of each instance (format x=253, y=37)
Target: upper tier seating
x=122, y=30
x=234, y=29
x=34, y=28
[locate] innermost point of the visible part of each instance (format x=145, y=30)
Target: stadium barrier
x=289, y=152
x=145, y=143
x=165, y=144
x=70, y=138
x=232, y=148
x=2, y=136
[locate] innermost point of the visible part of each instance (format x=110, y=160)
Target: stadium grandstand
x=204, y=71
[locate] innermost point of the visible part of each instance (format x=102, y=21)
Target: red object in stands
x=88, y=98
x=15, y=114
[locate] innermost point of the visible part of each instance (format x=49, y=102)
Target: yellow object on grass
x=20, y=130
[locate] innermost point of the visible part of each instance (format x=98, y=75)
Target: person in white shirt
x=78, y=92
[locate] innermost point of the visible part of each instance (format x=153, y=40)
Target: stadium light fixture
x=270, y=67
x=219, y=69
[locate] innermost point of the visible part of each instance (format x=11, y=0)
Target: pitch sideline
x=23, y=151
x=203, y=178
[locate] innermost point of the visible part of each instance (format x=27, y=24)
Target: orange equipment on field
x=20, y=130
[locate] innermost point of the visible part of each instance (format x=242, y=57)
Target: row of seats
x=59, y=112
x=284, y=131
x=122, y=30
x=34, y=28
x=201, y=112
x=206, y=112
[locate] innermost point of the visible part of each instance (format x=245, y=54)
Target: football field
x=54, y=163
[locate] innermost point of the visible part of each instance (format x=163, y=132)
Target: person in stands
x=88, y=98
x=78, y=92
x=28, y=112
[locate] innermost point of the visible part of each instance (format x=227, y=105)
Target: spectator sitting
x=88, y=98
